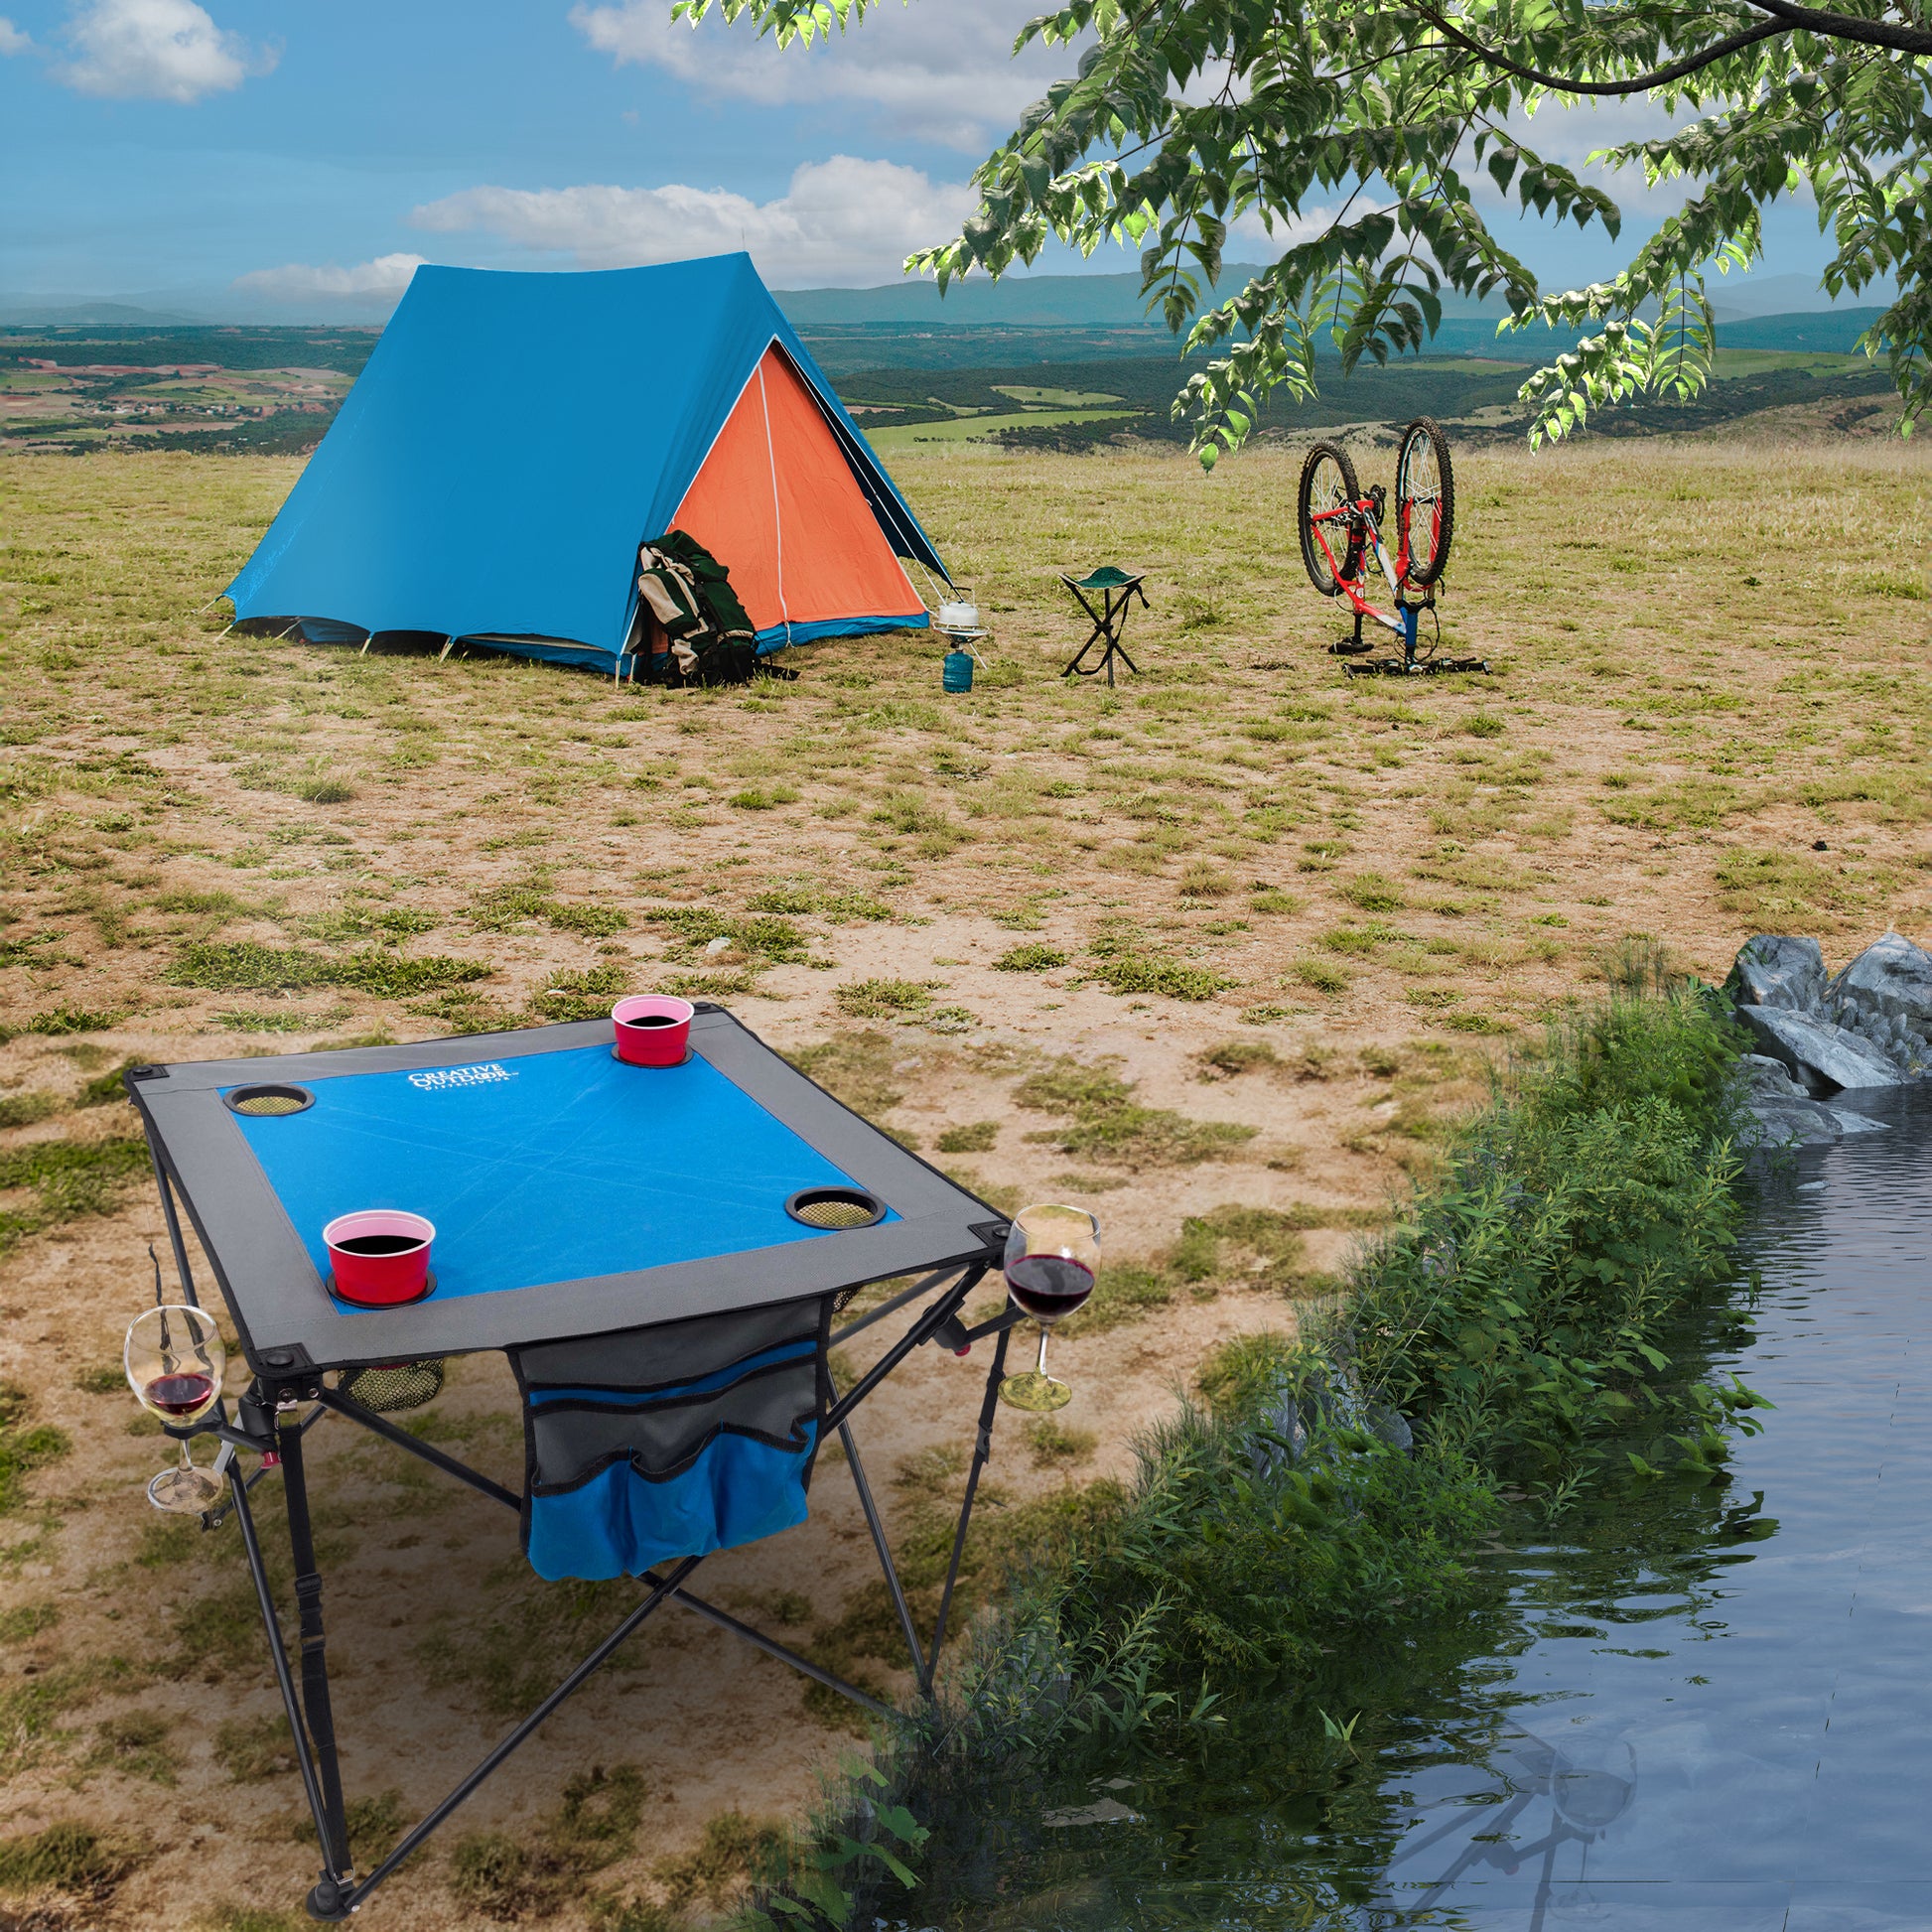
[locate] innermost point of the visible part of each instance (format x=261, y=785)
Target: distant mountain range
x=1030, y=319
x=1116, y=302
x=93, y=315
x=1031, y=302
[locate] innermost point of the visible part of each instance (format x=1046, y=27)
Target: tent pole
x=449, y=644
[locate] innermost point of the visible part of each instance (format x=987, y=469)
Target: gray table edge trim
x=287, y=1323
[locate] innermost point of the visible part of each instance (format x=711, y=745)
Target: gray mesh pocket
x=657, y=1397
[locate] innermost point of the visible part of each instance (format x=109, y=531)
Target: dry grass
x=1044, y=931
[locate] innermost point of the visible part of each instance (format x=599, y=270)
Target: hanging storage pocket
x=671, y=1441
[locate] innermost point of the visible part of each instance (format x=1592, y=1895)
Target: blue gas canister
x=958, y=672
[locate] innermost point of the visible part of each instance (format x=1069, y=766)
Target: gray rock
x=1391, y=1426
x=1892, y=977
x=1797, y=1123
x=1103, y=1811
x=1286, y=1441
x=1885, y=996
x=1823, y=1057
x=1769, y=1079
x=1770, y=971
x=1851, y=1123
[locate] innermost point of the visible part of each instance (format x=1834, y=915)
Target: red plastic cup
x=380, y=1256
x=654, y=1029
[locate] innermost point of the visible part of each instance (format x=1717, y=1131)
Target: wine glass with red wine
x=174, y=1358
x=1052, y=1256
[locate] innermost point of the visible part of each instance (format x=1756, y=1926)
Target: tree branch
x=1643, y=82
x=1849, y=27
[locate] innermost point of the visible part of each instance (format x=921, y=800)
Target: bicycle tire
x=1327, y=481
x=1425, y=448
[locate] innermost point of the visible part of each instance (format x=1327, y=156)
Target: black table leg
x=315, y=1656
x=885, y=1550
x=982, y=1454
x=661, y=1593
x=335, y=1877
x=174, y=1240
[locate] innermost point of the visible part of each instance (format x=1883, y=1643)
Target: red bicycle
x=1341, y=530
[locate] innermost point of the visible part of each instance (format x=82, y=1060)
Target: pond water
x=1702, y=1706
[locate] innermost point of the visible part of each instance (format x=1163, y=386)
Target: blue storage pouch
x=672, y=1441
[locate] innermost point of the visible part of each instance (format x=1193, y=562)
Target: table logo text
x=437, y=1080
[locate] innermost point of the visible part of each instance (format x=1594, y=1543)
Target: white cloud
x=843, y=222
x=1258, y=236
x=942, y=69
x=383, y=278
x=1570, y=132
x=155, y=49
x=12, y=40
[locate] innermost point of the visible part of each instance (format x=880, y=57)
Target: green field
x=889, y=439
x=278, y=388
x=1055, y=398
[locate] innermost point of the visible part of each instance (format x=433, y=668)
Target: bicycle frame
x=1364, y=516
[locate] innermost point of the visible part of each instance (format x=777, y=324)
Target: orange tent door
x=777, y=503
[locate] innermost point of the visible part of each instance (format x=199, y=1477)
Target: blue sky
x=307, y=155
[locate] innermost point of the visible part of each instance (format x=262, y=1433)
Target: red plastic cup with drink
x=652, y=1029
x=380, y=1256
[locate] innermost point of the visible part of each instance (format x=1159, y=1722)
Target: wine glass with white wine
x=1052, y=1256
x=174, y=1360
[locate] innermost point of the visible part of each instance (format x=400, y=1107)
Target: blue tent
x=515, y=436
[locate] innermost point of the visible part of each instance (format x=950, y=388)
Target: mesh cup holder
x=268, y=1102
x=836, y=1207
x=399, y=1384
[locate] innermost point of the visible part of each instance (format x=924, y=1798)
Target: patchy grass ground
x=1214, y=952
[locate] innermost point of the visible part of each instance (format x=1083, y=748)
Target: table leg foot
x=328, y=1901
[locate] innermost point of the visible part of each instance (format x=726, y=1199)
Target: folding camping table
x=574, y=1196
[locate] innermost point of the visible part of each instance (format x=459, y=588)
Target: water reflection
x=1706, y=1708
x=1587, y=1787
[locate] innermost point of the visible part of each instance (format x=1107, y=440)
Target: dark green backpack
x=688, y=591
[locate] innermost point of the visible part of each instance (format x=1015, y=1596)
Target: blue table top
x=545, y=1167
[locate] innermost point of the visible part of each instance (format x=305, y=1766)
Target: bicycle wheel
x=1327, y=483
x=1425, y=499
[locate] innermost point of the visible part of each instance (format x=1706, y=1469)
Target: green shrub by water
x=1495, y=1344
x=1515, y=1317
x=1517, y=1313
